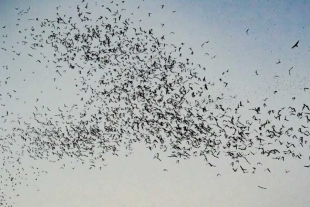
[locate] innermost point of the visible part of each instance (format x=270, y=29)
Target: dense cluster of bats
x=134, y=90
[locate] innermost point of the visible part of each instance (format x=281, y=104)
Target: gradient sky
x=139, y=180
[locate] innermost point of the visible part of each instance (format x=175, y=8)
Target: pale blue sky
x=139, y=180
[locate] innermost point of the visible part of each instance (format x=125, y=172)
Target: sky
x=245, y=37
